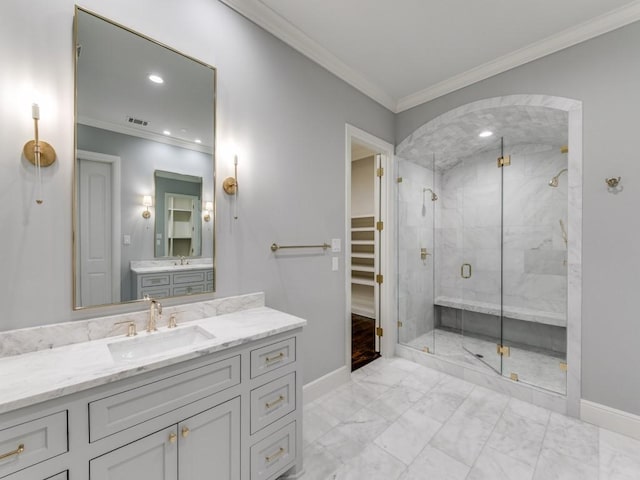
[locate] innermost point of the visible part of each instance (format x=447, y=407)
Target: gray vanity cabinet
x=231, y=415
x=209, y=444
x=153, y=457
x=204, y=446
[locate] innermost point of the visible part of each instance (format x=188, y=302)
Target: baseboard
x=610, y=418
x=323, y=385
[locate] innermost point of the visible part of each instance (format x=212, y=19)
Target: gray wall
x=604, y=74
x=282, y=114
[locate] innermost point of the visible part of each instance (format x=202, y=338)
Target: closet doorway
x=367, y=163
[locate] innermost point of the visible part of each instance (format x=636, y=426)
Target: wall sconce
x=147, y=202
x=39, y=153
x=230, y=185
x=208, y=208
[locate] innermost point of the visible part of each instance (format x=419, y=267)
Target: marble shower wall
x=468, y=220
x=415, y=231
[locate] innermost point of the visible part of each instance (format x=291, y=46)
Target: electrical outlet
x=334, y=264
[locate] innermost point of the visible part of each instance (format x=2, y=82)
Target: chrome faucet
x=154, y=311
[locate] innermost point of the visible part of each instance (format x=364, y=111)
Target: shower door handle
x=468, y=270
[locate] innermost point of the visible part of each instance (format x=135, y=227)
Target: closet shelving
x=363, y=265
x=180, y=225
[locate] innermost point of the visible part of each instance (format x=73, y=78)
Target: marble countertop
x=38, y=376
x=173, y=268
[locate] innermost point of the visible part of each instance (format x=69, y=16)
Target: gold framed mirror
x=144, y=189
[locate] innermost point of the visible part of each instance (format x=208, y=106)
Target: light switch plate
x=335, y=245
x=334, y=264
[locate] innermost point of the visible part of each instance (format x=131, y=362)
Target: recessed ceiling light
x=485, y=134
x=198, y=140
x=166, y=132
x=156, y=78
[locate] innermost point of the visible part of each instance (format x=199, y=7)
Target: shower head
x=434, y=197
x=554, y=180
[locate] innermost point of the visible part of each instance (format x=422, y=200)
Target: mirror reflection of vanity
x=144, y=173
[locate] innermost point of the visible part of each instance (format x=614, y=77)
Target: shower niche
x=492, y=292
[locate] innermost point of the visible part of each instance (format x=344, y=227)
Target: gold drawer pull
x=272, y=457
x=277, y=357
x=172, y=437
x=275, y=402
x=185, y=432
x=17, y=451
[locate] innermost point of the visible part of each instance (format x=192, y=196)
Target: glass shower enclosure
x=482, y=246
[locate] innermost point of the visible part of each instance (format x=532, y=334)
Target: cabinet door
x=153, y=457
x=210, y=444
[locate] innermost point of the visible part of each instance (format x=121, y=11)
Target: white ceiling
x=112, y=84
x=404, y=52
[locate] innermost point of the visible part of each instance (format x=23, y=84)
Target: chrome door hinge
x=379, y=226
x=504, y=161
x=563, y=366
x=379, y=331
x=503, y=350
x=399, y=323
x=379, y=278
x=399, y=180
x=379, y=171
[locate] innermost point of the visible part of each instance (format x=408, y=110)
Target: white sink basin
x=152, y=344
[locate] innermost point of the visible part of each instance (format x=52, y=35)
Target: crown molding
x=134, y=132
x=265, y=17
x=567, y=38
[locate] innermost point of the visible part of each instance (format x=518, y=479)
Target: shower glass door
x=535, y=265
x=416, y=214
x=480, y=269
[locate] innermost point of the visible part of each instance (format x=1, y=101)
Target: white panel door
x=94, y=210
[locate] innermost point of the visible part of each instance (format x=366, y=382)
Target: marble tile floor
x=533, y=367
x=397, y=420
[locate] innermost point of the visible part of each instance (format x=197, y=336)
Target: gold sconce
x=208, y=208
x=147, y=202
x=39, y=153
x=230, y=185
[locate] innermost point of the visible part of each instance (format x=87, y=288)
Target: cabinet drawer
x=123, y=410
x=188, y=289
x=274, y=454
x=155, y=280
x=188, y=277
x=272, y=401
x=272, y=356
x=159, y=292
x=41, y=439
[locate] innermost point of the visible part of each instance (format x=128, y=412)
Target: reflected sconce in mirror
x=39, y=153
x=230, y=185
x=208, y=208
x=147, y=202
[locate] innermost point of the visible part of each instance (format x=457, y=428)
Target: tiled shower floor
x=538, y=368
x=397, y=420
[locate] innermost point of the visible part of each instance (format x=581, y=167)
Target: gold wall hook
x=613, y=182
